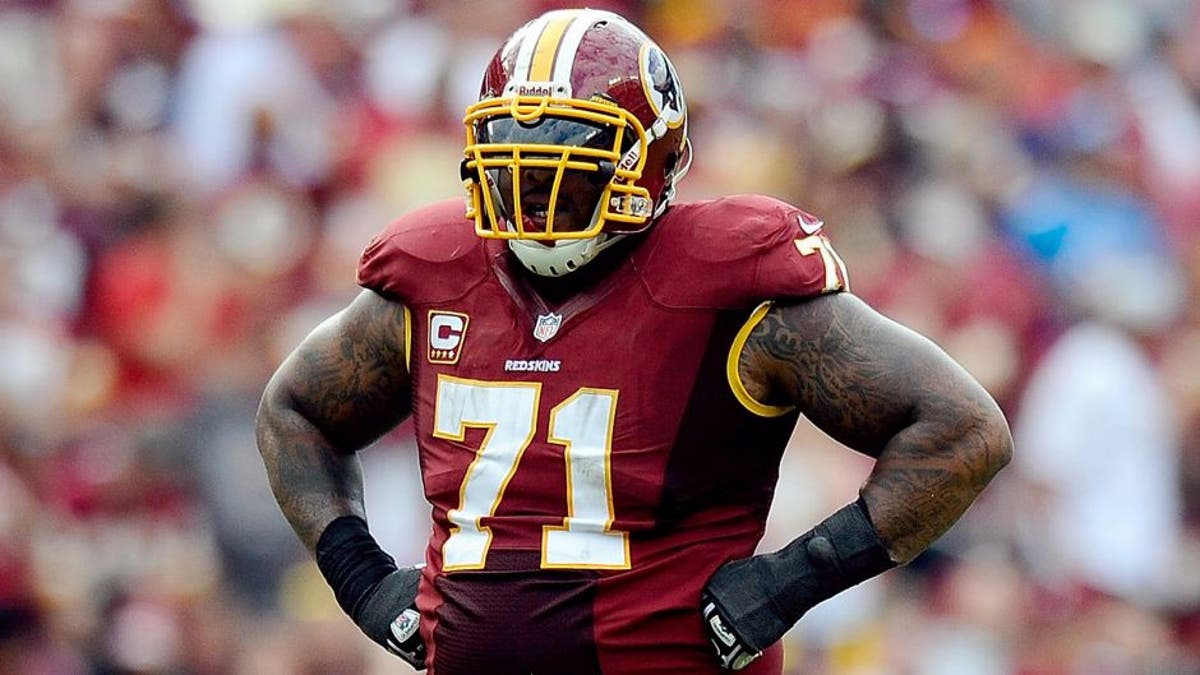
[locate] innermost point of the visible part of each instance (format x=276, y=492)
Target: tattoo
x=312, y=484
x=342, y=388
x=355, y=380
x=879, y=388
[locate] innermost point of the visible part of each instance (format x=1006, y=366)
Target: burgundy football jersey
x=591, y=463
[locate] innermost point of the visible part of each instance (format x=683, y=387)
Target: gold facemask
x=621, y=155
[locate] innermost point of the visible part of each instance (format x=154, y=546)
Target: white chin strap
x=554, y=259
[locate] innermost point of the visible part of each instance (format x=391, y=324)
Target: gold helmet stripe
x=527, y=38
x=547, y=52
x=544, y=53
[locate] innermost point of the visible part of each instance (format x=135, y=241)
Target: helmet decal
x=661, y=84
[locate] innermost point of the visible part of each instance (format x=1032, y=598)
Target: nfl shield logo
x=547, y=326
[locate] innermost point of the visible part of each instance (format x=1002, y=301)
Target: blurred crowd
x=185, y=187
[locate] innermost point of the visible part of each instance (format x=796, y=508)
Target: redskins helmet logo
x=661, y=84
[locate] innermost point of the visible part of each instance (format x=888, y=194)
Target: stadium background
x=185, y=187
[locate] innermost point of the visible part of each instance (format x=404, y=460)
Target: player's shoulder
x=745, y=218
x=731, y=251
x=430, y=254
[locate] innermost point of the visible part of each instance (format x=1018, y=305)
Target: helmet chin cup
x=555, y=259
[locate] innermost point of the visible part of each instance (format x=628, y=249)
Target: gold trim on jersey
x=407, y=339
x=735, y=379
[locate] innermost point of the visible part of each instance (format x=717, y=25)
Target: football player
x=602, y=382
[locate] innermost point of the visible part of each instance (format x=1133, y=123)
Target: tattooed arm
x=345, y=386
x=937, y=436
x=883, y=390
x=342, y=388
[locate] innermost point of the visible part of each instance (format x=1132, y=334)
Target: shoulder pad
x=735, y=252
x=427, y=256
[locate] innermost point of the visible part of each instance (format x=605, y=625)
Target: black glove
x=389, y=616
x=749, y=604
x=732, y=651
x=380, y=598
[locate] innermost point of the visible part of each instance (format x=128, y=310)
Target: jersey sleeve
x=739, y=251
x=428, y=256
x=802, y=261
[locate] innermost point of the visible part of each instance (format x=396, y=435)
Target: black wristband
x=761, y=597
x=841, y=551
x=351, y=562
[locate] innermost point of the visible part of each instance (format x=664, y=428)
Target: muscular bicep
x=856, y=374
x=882, y=389
x=349, y=378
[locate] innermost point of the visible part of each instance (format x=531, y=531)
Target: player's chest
x=617, y=339
x=596, y=392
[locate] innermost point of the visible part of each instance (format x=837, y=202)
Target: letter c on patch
x=447, y=330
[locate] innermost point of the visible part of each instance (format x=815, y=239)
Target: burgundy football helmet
x=578, y=138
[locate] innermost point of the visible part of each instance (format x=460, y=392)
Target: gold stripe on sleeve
x=408, y=339
x=735, y=379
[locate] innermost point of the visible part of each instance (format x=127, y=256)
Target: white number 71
x=582, y=424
